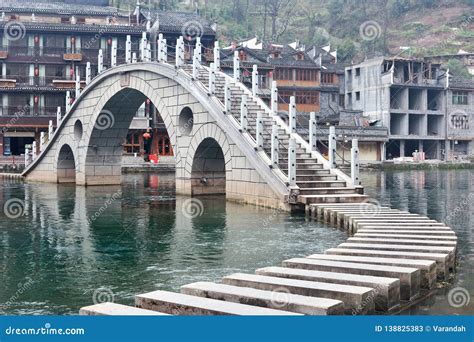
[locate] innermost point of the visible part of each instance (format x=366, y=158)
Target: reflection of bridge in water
x=226, y=140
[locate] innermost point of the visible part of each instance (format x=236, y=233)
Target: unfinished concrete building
x=413, y=99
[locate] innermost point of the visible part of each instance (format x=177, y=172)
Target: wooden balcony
x=72, y=57
x=67, y=84
x=7, y=83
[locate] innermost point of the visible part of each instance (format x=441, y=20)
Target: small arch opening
x=66, y=165
x=186, y=121
x=78, y=130
x=208, y=171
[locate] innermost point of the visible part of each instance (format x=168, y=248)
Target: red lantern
x=37, y=39
x=109, y=41
x=36, y=99
x=71, y=71
x=36, y=72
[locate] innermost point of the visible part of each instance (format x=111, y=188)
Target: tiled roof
x=184, y=22
x=48, y=27
x=28, y=6
x=457, y=82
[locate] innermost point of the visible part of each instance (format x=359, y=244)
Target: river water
x=66, y=247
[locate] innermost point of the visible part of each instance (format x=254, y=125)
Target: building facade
x=415, y=100
x=45, y=46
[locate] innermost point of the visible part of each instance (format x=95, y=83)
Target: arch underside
x=66, y=165
x=208, y=175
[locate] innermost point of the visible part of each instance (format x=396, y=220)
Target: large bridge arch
x=116, y=93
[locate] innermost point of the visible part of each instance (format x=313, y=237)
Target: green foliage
x=456, y=68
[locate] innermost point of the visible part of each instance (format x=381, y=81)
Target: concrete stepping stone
x=182, y=304
x=436, y=232
x=402, y=241
x=268, y=299
x=354, y=297
x=409, y=276
x=387, y=290
x=442, y=259
x=113, y=309
x=427, y=267
x=402, y=236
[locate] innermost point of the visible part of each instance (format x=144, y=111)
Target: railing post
x=78, y=86
x=100, y=62
x=58, y=116
x=128, y=49
x=275, y=145
x=259, y=131
x=50, y=129
x=134, y=57
x=292, y=162
x=33, y=150
x=113, y=56
x=292, y=115
x=41, y=141
x=199, y=49
x=68, y=101
x=243, y=114
x=143, y=44
x=148, y=52
x=332, y=147
x=195, y=65
x=254, y=80
x=160, y=47
x=88, y=73
x=27, y=156
x=212, y=79
x=164, y=51
x=227, y=97
x=236, y=66
x=355, y=162
x=274, y=98
x=217, y=55
x=180, y=52
x=313, y=142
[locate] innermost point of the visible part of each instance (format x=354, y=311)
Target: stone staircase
x=315, y=182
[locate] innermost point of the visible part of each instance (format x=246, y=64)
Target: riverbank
x=427, y=165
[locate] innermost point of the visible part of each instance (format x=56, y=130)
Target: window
x=284, y=96
x=357, y=95
x=357, y=71
x=327, y=78
x=306, y=75
x=284, y=74
x=460, y=97
x=333, y=97
x=307, y=97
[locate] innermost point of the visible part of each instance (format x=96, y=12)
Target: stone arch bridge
x=225, y=140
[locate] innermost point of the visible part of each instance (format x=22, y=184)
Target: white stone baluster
x=259, y=131
x=27, y=156
x=199, y=49
x=274, y=98
x=164, y=51
x=50, y=130
x=128, y=49
x=100, y=61
x=78, y=86
x=313, y=142
x=236, y=66
x=147, y=53
x=355, y=162
x=41, y=141
x=134, y=57
x=33, y=150
x=58, y=116
x=143, y=46
x=160, y=47
x=243, y=114
x=254, y=80
x=68, y=101
x=292, y=114
x=275, y=145
x=180, y=52
x=212, y=79
x=227, y=97
x=292, y=162
x=332, y=147
x=88, y=73
x=217, y=55
x=195, y=65
x=113, y=55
